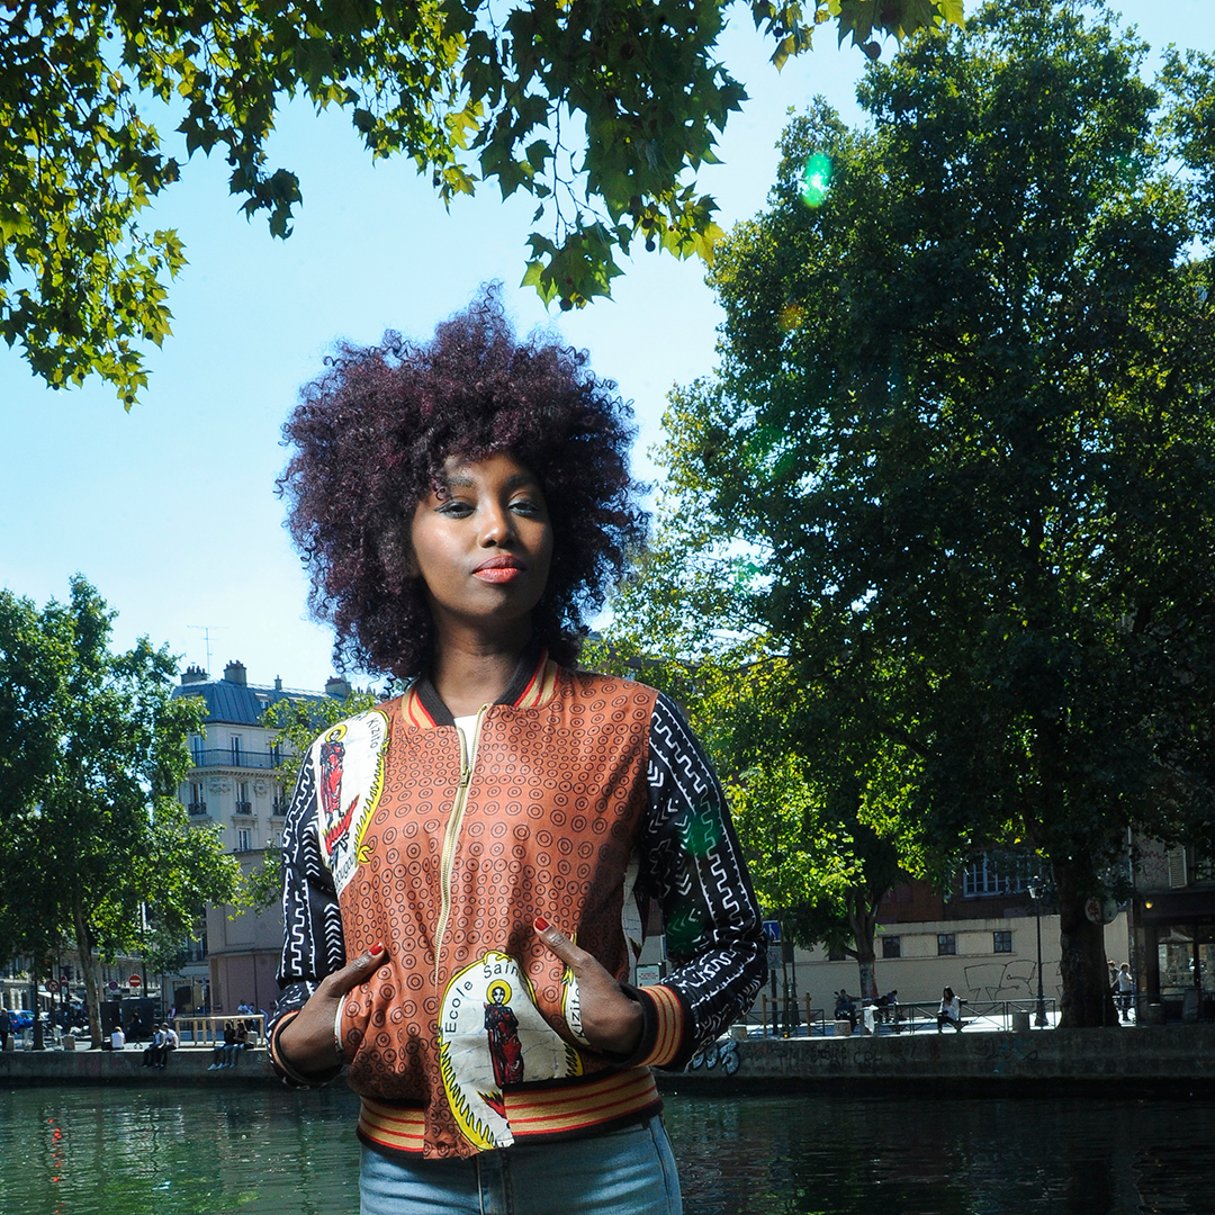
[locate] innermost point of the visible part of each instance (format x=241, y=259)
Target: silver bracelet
x=337, y=1030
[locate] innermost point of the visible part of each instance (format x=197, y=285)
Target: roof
x=241, y=704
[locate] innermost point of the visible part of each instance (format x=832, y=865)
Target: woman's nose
x=498, y=526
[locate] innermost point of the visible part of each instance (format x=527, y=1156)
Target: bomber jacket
x=581, y=798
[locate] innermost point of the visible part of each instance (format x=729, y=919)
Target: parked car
x=20, y=1019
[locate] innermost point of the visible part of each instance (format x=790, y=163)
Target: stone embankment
x=188, y=1065
x=1180, y=1057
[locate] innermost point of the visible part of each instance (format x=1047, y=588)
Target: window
x=947, y=943
x=990, y=875
x=1001, y=942
x=244, y=839
x=237, y=748
x=196, y=749
x=197, y=803
x=892, y=947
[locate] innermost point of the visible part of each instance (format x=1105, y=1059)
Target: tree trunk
x=88, y=968
x=1083, y=966
x=863, y=923
x=35, y=974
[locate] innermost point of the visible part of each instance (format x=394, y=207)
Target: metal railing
x=222, y=757
x=776, y=1019
x=209, y=1031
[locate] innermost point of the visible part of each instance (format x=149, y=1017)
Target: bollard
x=843, y=1029
x=1020, y=1021
x=1155, y=1015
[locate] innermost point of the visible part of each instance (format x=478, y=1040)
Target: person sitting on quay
x=222, y=1051
x=118, y=1040
x=154, y=1052
x=950, y=1012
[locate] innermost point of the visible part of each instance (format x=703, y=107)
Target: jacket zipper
x=468, y=761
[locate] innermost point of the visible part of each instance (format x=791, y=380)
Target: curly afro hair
x=371, y=435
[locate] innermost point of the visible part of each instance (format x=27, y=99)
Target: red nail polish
x=377, y=949
x=541, y=923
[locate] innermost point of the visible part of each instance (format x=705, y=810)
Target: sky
x=170, y=510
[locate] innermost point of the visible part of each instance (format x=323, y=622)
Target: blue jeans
x=624, y=1172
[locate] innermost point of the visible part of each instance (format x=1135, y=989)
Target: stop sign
x=134, y=980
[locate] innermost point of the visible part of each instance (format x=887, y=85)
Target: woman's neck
x=470, y=673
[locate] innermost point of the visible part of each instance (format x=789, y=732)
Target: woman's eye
x=525, y=506
x=455, y=509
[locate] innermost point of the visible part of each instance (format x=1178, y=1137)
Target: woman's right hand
x=308, y=1040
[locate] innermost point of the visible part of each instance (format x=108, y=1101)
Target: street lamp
x=1037, y=888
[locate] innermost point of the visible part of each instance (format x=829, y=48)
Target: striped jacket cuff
x=286, y=1069
x=664, y=1035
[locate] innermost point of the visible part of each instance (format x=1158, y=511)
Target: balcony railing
x=221, y=757
x=244, y=807
x=197, y=807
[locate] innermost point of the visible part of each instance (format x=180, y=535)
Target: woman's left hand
x=611, y=1021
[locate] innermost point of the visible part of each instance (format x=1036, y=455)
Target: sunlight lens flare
x=816, y=179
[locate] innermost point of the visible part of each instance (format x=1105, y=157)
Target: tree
x=97, y=847
x=958, y=452
x=603, y=112
x=822, y=825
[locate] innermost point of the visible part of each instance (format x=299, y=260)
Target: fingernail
x=377, y=949
x=541, y=923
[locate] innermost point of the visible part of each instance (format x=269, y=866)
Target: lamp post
x=1037, y=888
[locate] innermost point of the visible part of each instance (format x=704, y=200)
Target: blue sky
x=170, y=510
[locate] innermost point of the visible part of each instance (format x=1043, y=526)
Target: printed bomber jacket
x=581, y=798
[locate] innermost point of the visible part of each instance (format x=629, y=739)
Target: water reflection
x=803, y=1155
x=192, y=1151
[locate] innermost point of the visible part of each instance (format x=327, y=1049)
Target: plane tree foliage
x=601, y=110
x=953, y=475
x=96, y=850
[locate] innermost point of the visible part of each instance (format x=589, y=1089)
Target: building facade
x=235, y=782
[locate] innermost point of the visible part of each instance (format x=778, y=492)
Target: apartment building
x=234, y=783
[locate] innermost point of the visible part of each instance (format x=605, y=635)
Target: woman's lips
x=500, y=570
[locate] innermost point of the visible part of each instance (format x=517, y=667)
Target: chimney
x=337, y=687
x=194, y=674
x=234, y=672
x=278, y=683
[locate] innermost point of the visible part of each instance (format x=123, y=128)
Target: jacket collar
x=531, y=685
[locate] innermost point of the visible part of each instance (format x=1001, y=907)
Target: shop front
x=1176, y=937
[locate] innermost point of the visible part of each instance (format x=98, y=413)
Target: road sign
x=772, y=931
x=51, y=985
x=134, y=980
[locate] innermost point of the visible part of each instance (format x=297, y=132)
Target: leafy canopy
x=95, y=846
x=954, y=471
x=602, y=110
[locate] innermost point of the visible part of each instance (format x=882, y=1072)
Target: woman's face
x=483, y=544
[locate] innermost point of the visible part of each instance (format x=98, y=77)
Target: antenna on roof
x=205, y=630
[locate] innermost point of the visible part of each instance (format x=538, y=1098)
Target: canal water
x=194, y=1151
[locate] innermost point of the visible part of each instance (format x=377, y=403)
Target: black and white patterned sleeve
x=691, y=864
x=313, y=944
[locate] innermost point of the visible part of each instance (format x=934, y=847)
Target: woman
x=950, y=1011
x=488, y=846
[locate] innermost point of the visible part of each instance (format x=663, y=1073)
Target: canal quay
x=1127, y=1056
